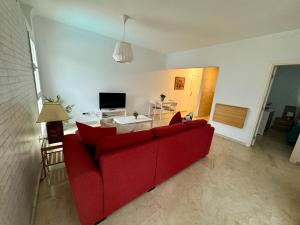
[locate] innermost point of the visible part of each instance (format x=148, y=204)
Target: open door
x=208, y=86
x=264, y=104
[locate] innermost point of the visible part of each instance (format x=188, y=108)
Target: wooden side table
x=51, y=154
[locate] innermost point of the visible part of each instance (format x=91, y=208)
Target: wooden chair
x=155, y=107
x=158, y=107
x=170, y=107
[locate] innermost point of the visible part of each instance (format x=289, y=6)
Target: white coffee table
x=132, y=120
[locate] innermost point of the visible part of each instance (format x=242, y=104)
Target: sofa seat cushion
x=168, y=130
x=111, y=143
x=90, y=135
x=176, y=119
x=195, y=123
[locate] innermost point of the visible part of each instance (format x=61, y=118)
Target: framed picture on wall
x=179, y=83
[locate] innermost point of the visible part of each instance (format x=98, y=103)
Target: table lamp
x=53, y=114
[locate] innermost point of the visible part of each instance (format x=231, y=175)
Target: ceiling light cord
x=124, y=19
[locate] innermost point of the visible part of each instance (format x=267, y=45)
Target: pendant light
x=123, y=51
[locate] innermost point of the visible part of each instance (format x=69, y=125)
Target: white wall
x=183, y=97
x=78, y=65
x=285, y=89
x=19, y=132
x=245, y=68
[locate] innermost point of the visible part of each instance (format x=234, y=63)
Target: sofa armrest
x=85, y=180
x=127, y=173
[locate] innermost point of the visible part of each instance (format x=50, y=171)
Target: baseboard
x=32, y=219
x=232, y=139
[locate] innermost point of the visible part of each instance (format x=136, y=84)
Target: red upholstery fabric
x=85, y=180
x=168, y=130
x=110, y=143
x=177, y=151
x=195, y=123
x=77, y=133
x=127, y=173
x=90, y=135
x=137, y=164
x=176, y=119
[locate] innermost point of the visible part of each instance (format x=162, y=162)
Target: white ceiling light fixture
x=123, y=50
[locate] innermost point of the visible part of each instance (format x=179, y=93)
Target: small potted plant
x=135, y=114
x=162, y=97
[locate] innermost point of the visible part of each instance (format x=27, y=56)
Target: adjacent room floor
x=232, y=185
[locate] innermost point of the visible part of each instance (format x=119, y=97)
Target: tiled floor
x=233, y=185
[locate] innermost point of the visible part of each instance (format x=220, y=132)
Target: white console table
x=105, y=113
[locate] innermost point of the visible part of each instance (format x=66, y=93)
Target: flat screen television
x=112, y=100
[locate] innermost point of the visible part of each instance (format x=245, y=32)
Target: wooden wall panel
x=231, y=115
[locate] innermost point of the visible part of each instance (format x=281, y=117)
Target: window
x=35, y=69
x=37, y=82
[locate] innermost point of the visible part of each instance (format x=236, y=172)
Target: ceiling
x=175, y=25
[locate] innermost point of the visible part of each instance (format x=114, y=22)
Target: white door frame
x=265, y=96
x=199, y=93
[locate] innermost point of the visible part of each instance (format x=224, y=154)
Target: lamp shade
x=52, y=112
x=123, y=52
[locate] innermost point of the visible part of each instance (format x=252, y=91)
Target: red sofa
x=128, y=165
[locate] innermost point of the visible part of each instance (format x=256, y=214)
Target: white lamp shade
x=52, y=112
x=123, y=52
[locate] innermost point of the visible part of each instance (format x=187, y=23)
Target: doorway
x=201, y=92
x=198, y=91
x=279, y=119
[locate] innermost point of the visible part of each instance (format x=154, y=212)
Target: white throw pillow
x=188, y=117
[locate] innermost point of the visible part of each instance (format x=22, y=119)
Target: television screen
x=112, y=100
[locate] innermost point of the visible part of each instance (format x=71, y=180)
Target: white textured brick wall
x=19, y=147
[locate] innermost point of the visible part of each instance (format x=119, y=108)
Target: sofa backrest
x=168, y=130
x=111, y=143
x=195, y=123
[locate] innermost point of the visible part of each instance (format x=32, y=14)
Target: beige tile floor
x=233, y=185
